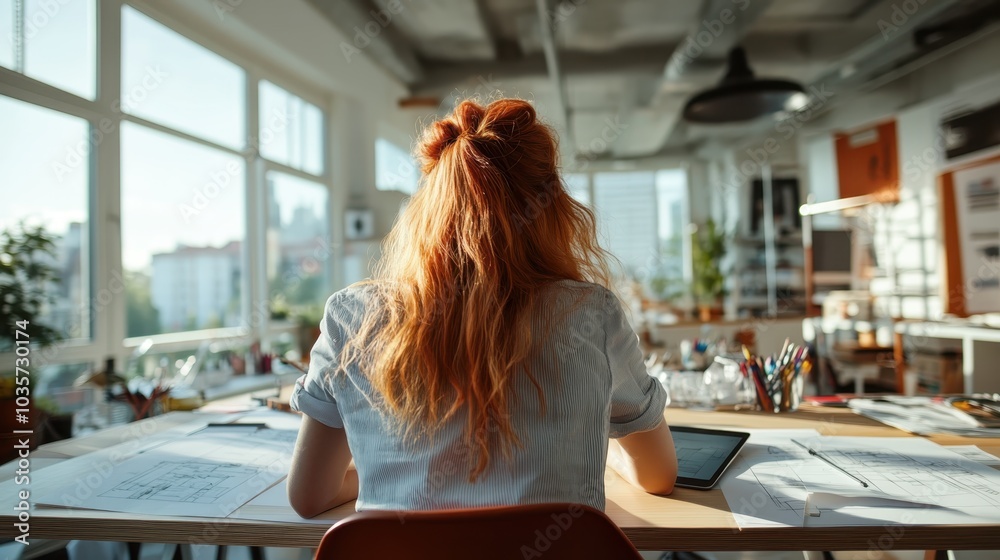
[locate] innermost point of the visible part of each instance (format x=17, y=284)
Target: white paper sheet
x=209, y=473
x=766, y=484
x=272, y=505
x=973, y=453
x=775, y=483
x=921, y=415
x=931, y=484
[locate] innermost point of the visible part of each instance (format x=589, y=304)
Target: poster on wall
x=977, y=209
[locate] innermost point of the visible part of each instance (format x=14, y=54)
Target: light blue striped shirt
x=602, y=391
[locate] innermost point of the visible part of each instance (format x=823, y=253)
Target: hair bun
x=510, y=117
x=502, y=121
x=469, y=116
x=435, y=139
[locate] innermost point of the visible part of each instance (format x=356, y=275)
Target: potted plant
x=26, y=279
x=708, y=248
x=307, y=318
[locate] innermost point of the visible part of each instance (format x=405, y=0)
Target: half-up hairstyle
x=462, y=272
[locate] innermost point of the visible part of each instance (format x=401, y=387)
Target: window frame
x=108, y=321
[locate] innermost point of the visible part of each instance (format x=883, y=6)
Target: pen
x=823, y=458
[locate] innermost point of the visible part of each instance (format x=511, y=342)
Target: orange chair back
x=549, y=531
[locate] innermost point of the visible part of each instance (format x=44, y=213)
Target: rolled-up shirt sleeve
x=313, y=394
x=637, y=399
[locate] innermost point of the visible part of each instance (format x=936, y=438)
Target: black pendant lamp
x=742, y=97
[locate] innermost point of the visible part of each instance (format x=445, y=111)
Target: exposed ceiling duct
x=741, y=96
x=614, y=76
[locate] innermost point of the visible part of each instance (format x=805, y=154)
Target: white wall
x=908, y=231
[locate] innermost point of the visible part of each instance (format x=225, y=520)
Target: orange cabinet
x=868, y=160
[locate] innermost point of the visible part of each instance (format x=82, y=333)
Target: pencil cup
x=790, y=396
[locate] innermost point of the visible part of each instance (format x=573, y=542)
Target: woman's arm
x=648, y=459
x=320, y=477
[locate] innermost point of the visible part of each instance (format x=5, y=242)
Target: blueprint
x=209, y=473
x=767, y=484
x=946, y=488
x=776, y=482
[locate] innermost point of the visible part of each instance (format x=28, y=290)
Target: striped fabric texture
x=595, y=387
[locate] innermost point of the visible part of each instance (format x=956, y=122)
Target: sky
x=173, y=191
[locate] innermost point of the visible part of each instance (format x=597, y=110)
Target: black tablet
x=703, y=455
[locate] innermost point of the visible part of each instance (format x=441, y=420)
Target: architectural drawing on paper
x=189, y=481
x=941, y=480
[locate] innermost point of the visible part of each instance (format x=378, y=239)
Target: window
x=44, y=181
x=173, y=81
x=181, y=176
x=395, y=169
x=298, y=245
x=627, y=220
x=51, y=41
x=183, y=231
x=642, y=220
x=8, y=37
x=291, y=130
x=672, y=212
x=578, y=186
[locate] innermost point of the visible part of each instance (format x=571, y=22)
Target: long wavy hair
x=461, y=274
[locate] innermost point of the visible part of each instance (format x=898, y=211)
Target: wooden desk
x=687, y=520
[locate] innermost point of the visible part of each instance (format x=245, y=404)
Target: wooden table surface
x=686, y=520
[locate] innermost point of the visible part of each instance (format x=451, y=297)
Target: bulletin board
x=970, y=228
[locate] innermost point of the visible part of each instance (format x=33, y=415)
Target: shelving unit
x=752, y=276
x=769, y=273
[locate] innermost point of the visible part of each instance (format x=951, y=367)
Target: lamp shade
x=740, y=96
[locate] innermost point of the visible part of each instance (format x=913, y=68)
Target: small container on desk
x=719, y=385
x=778, y=381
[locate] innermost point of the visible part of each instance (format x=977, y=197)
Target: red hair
x=462, y=270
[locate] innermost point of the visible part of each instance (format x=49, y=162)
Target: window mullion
x=257, y=311
x=107, y=291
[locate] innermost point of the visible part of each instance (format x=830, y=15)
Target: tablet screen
x=703, y=455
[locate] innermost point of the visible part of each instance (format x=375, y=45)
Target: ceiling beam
x=638, y=60
x=367, y=33
x=498, y=47
x=885, y=49
x=552, y=64
x=720, y=26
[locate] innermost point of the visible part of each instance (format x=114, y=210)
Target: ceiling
x=613, y=75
